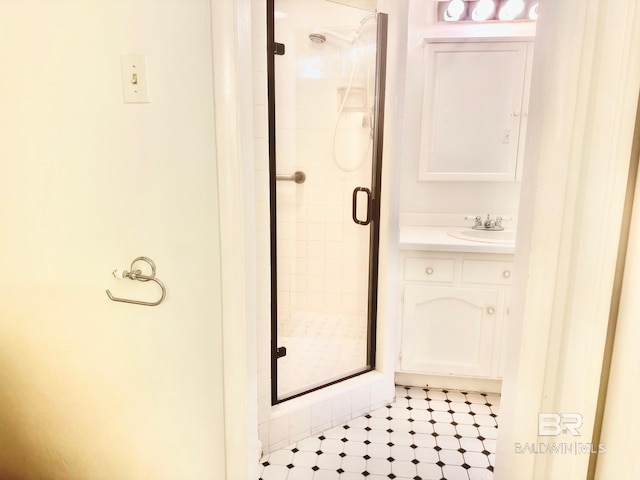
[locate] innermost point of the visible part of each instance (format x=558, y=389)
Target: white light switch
x=135, y=88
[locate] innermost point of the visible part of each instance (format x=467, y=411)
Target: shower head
x=316, y=37
x=320, y=36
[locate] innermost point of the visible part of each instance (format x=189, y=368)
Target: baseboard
x=485, y=385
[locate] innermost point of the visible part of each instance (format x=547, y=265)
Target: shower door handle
x=354, y=206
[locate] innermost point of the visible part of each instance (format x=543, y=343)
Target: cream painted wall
x=93, y=388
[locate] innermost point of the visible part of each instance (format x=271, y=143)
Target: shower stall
x=326, y=66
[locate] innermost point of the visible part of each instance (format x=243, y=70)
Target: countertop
x=438, y=238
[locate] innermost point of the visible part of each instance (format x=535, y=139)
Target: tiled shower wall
x=322, y=253
x=321, y=261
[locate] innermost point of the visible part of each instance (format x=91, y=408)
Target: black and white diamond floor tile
x=426, y=434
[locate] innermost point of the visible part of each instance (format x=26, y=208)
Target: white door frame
x=586, y=78
x=231, y=50
x=620, y=423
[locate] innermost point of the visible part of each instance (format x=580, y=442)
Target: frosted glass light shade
x=511, y=9
x=483, y=10
x=455, y=10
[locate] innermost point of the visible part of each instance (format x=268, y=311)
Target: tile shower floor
x=328, y=345
x=426, y=434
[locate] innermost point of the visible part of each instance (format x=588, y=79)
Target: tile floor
x=426, y=434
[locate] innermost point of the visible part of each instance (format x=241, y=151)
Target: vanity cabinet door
x=448, y=330
x=473, y=109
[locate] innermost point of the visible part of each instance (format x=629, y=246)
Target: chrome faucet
x=489, y=223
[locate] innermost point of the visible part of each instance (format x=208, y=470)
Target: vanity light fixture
x=483, y=10
x=455, y=10
x=510, y=9
x=487, y=10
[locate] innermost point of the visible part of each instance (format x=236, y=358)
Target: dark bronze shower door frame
x=373, y=196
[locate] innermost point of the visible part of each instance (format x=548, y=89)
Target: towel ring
x=136, y=274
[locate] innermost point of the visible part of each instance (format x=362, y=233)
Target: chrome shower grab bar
x=298, y=177
x=137, y=275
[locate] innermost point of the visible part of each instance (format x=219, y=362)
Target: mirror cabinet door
x=474, y=110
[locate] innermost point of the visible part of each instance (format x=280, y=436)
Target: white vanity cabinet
x=454, y=307
x=474, y=113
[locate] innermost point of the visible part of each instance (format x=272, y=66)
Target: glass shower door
x=326, y=96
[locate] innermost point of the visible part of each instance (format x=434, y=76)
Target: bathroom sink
x=487, y=236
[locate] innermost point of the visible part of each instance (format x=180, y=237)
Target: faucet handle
x=477, y=219
x=498, y=221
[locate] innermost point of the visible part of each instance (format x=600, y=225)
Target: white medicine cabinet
x=474, y=113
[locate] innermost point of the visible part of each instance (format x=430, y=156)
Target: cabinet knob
x=506, y=274
x=429, y=270
x=491, y=310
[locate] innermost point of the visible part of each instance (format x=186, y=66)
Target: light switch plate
x=135, y=88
